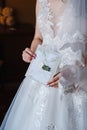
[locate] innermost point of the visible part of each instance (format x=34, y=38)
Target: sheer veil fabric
x=79, y=28
x=41, y=107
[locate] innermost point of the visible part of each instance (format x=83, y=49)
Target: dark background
x=13, y=41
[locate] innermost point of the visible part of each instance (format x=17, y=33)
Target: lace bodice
x=57, y=25
x=50, y=17
x=55, y=21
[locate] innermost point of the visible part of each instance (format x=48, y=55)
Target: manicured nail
x=34, y=56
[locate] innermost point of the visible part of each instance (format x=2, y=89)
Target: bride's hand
x=54, y=81
x=28, y=55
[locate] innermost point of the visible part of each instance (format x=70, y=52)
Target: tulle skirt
x=39, y=107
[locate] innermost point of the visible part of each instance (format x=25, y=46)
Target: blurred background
x=17, y=22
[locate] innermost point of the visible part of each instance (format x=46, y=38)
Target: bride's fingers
x=58, y=75
x=26, y=57
x=54, y=79
x=54, y=84
x=30, y=52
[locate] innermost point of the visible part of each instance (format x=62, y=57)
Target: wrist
x=35, y=43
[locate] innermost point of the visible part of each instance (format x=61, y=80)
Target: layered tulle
x=39, y=107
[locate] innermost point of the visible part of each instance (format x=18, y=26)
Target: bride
x=53, y=94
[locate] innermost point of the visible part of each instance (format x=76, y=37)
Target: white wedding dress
x=40, y=107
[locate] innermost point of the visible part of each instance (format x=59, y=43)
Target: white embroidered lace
x=60, y=35
x=39, y=107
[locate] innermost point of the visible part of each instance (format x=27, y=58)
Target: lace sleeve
x=72, y=62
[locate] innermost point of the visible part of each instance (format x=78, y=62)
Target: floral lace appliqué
x=51, y=127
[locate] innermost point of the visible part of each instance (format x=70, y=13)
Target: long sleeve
x=72, y=62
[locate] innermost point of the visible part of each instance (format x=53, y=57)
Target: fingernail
x=34, y=55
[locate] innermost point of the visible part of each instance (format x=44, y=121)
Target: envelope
x=44, y=66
